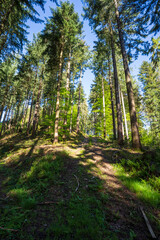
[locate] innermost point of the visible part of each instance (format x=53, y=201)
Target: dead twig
x=148, y=224
x=9, y=229
x=77, y=182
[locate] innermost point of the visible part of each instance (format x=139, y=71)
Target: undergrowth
x=142, y=176
x=31, y=179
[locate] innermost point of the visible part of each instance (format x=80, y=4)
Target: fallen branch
x=77, y=182
x=148, y=224
x=9, y=229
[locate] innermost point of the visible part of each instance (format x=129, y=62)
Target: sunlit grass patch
x=43, y=171
x=23, y=197
x=19, y=193
x=142, y=189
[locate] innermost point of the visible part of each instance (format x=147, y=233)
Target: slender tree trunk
x=79, y=101
x=4, y=102
x=104, y=110
x=124, y=113
x=31, y=108
x=35, y=119
x=118, y=104
x=71, y=118
x=8, y=115
x=17, y=114
x=67, y=88
x=112, y=101
x=30, y=113
x=95, y=120
x=11, y=118
x=58, y=94
x=132, y=109
x=3, y=123
x=44, y=108
x=25, y=112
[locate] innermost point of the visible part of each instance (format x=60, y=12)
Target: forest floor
x=67, y=191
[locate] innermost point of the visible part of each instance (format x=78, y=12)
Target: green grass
x=83, y=218
x=33, y=177
x=25, y=187
x=141, y=187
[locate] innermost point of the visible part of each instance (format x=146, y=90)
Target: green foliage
x=14, y=15
x=151, y=95
x=141, y=175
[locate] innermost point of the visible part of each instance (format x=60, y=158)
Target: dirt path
x=123, y=205
x=124, y=216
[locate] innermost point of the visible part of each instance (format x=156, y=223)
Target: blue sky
x=90, y=37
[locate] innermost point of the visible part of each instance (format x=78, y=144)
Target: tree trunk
x=67, y=88
x=4, y=102
x=35, y=119
x=116, y=83
x=132, y=109
x=104, y=110
x=79, y=102
x=17, y=114
x=58, y=94
x=71, y=118
x=11, y=118
x=31, y=108
x=30, y=114
x=3, y=123
x=124, y=113
x=25, y=112
x=112, y=101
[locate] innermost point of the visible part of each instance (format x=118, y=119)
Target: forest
x=73, y=167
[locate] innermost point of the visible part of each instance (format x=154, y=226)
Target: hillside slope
x=67, y=191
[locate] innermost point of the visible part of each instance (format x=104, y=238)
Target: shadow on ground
x=68, y=191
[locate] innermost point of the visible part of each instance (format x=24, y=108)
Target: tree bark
x=71, y=119
x=112, y=101
x=104, y=110
x=79, y=101
x=35, y=119
x=67, y=89
x=3, y=123
x=4, y=102
x=58, y=93
x=124, y=114
x=25, y=112
x=132, y=109
x=30, y=114
x=117, y=95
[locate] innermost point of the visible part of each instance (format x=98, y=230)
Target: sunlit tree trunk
x=4, y=102
x=112, y=100
x=132, y=109
x=31, y=108
x=67, y=88
x=25, y=112
x=124, y=113
x=104, y=109
x=36, y=112
x=117, y=95
x=79, y=101
x=4, y=120
x=58, y=94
